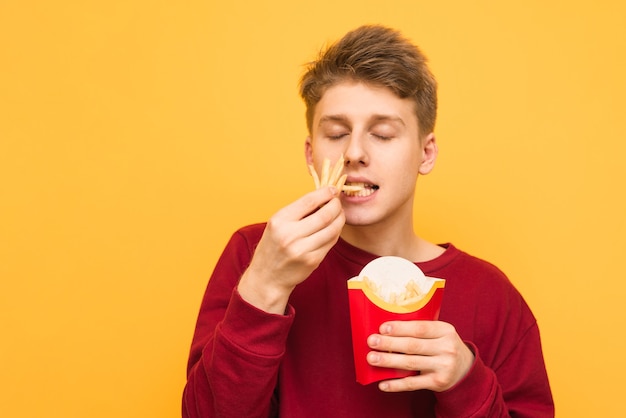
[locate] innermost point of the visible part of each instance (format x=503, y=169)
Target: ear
x=429, y=154
x=308, y=150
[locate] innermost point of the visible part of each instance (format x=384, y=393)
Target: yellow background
x=136, y=135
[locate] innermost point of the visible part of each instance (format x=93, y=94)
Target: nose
x=356, y=152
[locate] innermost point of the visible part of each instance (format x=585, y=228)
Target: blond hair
x=379, y=56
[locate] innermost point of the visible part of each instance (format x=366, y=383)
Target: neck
x=383, y=240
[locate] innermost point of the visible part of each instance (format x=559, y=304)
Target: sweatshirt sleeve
x=236, y=349
x=508, y=377
x=518, y=388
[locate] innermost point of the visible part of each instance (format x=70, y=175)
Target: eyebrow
x=333, y=118
x=375, y=118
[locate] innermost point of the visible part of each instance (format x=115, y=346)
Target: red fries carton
x=388, y=288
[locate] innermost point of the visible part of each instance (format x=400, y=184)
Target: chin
x=360, y=220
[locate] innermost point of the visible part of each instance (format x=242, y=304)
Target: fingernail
x=384, y=386
x=385, y=329
x=373, y=358
x=373, y=341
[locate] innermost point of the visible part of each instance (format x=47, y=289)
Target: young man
x=273, y=334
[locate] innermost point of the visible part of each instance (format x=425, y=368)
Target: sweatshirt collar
x=361, y=257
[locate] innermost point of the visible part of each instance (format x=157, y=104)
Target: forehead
x=355, y=101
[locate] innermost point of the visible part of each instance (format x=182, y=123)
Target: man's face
x=378, y=135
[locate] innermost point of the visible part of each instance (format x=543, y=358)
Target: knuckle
x=309, y=260
x=272, y=222
x=441, y=382
x=274, y=225
x=414, y=346
x=412, y=363
x=449, y=329
x=284, y=244
x=447, y=363
x=385, y=344
x=309, y=201
x=418, y=328
x=335, y=229
x=412, y=384
x=325, y=215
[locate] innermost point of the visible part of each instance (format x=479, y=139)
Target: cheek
x=407, y=180
x=408, y=172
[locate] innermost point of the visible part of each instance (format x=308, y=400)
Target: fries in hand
x=332, y=177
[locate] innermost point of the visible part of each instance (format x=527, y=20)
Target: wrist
x=262, y=294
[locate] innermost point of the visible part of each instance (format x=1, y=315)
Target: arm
x=517, y=387
x=237, y=366
x=464, y=386
x=484, y=311
x=243, y=323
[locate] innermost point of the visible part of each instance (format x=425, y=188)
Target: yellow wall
x=136, y=135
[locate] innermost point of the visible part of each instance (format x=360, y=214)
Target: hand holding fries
x=296, y=239
x=432, y=347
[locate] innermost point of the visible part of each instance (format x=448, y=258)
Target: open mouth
x=359, y=189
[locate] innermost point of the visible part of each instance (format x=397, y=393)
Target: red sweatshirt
x=245, y=362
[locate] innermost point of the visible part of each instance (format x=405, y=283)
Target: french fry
x=411, y=295
x=369, y=283
x=350, y=188
x=325, y=173
x=316, y=178
x=336, y=173
x=332, y=178
x=341, y=182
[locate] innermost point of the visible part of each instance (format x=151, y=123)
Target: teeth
x=360, y=193
x=358, y=189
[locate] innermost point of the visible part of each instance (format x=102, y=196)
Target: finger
x=324, y=226
x=427, y=374
x=322, y=216
x=406, y=384
x=310, y=249
x=407, y=345
x=417, y=329
x=306, y=204
x=435, y=380
x=320, y=228
x=411, y=362
x=290, y=226
x=300, y=236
